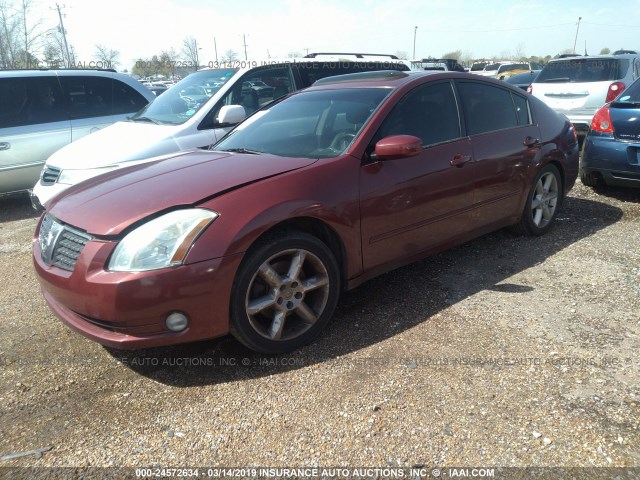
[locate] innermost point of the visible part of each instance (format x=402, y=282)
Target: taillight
x=601, y=121
x=530, y=89
x=614, y=90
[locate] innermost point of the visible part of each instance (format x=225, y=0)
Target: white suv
x=195, y=113
x=579, y=86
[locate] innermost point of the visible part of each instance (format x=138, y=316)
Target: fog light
x=176, y=322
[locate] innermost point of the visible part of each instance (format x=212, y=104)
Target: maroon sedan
x=313, y=195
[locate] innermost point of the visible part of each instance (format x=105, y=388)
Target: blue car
x=611, y=154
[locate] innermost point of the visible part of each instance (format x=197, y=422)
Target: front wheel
x=285, y=292
x=543, y=203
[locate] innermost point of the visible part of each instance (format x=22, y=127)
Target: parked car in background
x=443, y=64
x=41, y=111
x=312, y=195
x=611, y=153
x=489, y=69
x=478, y=66
x=196, y=112
x=523, y=80
x=435, y=66
x=158, y=90
x=579, y=86
x=509, y=69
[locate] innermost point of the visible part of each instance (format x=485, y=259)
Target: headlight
x=162, y=242
x=71, y=177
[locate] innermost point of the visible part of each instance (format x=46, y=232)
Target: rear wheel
x=589, y=179
x=285, y=292
x=543, y=203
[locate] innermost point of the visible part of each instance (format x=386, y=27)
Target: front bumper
x=128, y=310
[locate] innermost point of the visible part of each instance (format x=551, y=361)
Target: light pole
x=576, y=39
x=415, y=31
x=244, y=40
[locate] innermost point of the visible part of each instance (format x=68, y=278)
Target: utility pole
x=415, y=32
x=215, y=47
x=64, y=35
x=244, y=39
x=576, y=39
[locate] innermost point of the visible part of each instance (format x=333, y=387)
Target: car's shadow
x=619, y=193
x=16, y=207
x=384, y=306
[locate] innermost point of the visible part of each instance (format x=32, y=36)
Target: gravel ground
x=507, y=351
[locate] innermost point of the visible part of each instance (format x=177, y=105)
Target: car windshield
x=478, y=66
x=493, y=66
x=584, y=70
x=316, y=124
x=185, y=98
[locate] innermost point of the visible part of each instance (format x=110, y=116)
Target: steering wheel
x=341, y=141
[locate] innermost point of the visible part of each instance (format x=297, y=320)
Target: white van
x=43, y=110
x=194, y=113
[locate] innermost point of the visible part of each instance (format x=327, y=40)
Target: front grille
x=60, y=245
x=49, y=175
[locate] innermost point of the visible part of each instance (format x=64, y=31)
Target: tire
x=589, y=179
x=284, y=293
x=543, y=202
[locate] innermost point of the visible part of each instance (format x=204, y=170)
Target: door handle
x=5, y=145
x=459, y=160
x=531, y=142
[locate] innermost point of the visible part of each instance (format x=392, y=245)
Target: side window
x=253, y=91
x=13, y=102
x=522, y=109
x=87, y=96
x=428, y=112
x=486, y=108
x=636, y=64
x=126, y=99
x=31, y=101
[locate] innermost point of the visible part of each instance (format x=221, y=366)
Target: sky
x=276, y=28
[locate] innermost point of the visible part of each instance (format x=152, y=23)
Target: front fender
x=326, y=193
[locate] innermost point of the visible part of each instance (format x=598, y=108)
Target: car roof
x=595, y=57
x=243, y=66
x=389, y=78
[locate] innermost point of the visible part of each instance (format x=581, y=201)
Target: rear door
x=90, y=102
x=504, y=141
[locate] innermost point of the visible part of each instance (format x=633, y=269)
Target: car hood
x=122, y=142
x=107, y=204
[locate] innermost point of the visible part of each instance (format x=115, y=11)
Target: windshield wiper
x=144, y=119
x=242, y=150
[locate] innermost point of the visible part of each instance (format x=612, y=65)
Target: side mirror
x=230, y=115
x=397, y=146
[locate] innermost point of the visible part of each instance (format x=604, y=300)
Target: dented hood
x=109, y=203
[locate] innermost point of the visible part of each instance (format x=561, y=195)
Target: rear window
x=583, y=70
x=631, y=94
x=514, y=66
